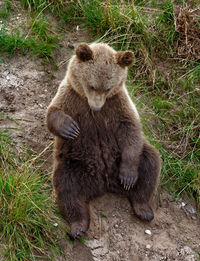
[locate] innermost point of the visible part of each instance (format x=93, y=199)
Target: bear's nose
x=96, y=108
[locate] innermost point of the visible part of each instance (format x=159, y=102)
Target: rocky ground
x=26, y=89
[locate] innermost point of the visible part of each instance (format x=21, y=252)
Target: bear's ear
x=84, y=52
x=125, y=58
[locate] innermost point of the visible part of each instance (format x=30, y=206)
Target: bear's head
x=98, y=72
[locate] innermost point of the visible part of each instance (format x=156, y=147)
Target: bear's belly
x=95, y=151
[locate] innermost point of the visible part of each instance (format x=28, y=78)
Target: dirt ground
x=26, y=89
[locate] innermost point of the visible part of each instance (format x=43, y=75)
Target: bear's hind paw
x=143, y=211
x=77, y=230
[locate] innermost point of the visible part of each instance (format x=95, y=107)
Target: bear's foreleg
x=130, y=143
x=142, y=192
x=61, y=124
x=73, y=205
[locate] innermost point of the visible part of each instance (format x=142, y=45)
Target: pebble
x=183, y=204
x=6, y=72
x=71, y=46
x=148, y=232
x=190, y=209
x=186, y=251
x=148, y=246
x=55, y=224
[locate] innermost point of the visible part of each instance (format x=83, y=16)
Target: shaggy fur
x=99, y=145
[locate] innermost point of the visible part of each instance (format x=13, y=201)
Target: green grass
x=172, y=123
x=5, y=9
x=26, y=214
x=36, y=36
x=39, y=5
x=40, y=42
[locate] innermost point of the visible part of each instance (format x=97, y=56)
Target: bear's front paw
x=69, y=129
x=128, y=178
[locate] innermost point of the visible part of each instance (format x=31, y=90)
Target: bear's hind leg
x=80, y=225
x=142, y=192
x=73, y=206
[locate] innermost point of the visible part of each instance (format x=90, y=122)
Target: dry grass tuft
x=188, y=27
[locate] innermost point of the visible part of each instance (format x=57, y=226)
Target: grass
x=172, y=121
x=5, y=9
x=35, y=37
x=16, y=42
x=27, y=216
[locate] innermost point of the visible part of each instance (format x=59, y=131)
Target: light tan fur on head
x=97, y=72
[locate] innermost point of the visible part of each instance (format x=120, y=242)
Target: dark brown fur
x=125, y=59
x=109, y=150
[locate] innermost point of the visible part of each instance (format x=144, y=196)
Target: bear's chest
x=97, y=133
x=96, y=148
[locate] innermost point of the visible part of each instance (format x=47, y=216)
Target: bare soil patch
x=26, y=89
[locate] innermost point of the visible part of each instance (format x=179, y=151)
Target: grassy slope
x=27, y=216
x=164, y=85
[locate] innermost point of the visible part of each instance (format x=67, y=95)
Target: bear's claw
x=128, y=181
x=78, y=229
x=76, y=234
x=70, y=131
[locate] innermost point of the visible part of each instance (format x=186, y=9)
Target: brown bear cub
x=99, y=144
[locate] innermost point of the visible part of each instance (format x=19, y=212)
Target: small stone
x=186, y=251
x=70, y=45
x=55, y=224
x=116, y=226
x=77, y=28
x=6, y=72
x=148, y=232
x=190, y=209
x=183, y=204
x=194, y=218
x=148, y=246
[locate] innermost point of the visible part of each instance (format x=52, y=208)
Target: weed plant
x=5, y=9
x=26, y=215
x=40, y=43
